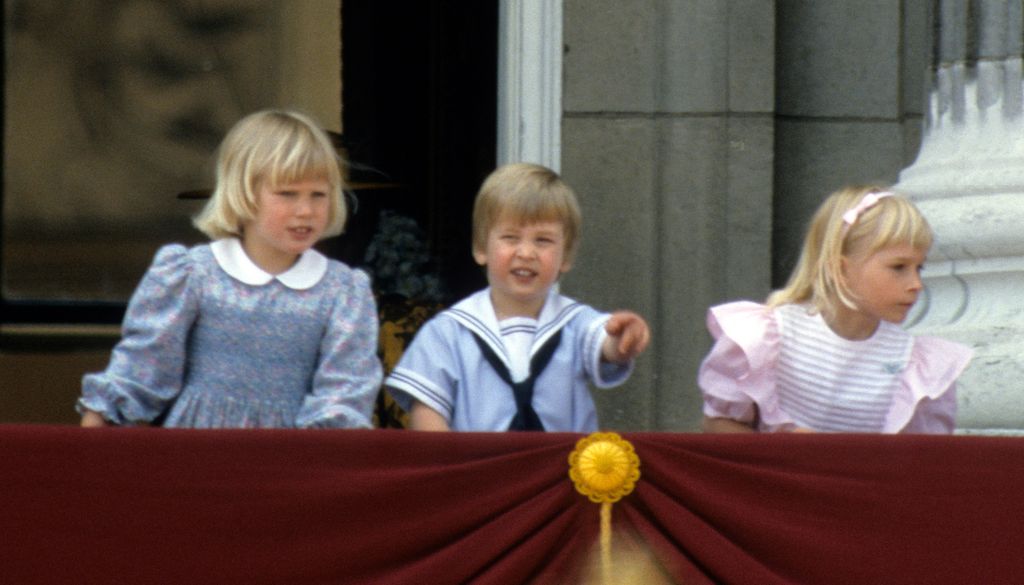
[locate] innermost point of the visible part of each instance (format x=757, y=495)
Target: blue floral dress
x=210, y=340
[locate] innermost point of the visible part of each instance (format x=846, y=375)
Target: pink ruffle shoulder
x=739, y=374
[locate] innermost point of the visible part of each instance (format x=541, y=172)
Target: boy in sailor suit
x=518, y=355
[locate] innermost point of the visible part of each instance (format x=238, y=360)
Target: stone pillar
x=968, y=180
x=668, y=138
x=530, y=82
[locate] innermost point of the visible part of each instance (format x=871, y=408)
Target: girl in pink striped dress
x=827, y=353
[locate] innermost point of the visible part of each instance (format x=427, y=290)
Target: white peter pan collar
x=231, y=257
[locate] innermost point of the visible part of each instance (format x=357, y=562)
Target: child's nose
x=915, y=282
x=303, y=206
x=525, y=249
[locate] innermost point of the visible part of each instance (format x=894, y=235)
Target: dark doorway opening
x=419, y=87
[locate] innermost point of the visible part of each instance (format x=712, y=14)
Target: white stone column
x=968, y=180
x=530, y=82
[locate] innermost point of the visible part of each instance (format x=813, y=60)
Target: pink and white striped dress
x=797, y=372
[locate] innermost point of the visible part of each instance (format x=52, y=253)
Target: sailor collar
x=476, y=313
x=231, y=257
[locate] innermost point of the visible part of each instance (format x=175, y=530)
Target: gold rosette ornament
x=605, y=468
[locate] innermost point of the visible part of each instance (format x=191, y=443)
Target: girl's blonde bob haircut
x=526, y=193
x=272, y=147
x=817, y=278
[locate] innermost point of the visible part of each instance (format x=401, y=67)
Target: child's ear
x=844, y=266
x=480, y=256
x=567, y=259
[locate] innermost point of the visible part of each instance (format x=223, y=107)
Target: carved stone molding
x=968, y=180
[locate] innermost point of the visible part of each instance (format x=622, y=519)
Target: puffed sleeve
x=146, y=367
x=926, y=400
x=738, y=373
x=348, y=376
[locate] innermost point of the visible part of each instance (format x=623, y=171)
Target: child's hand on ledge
x=628, y=336
x=93, y=419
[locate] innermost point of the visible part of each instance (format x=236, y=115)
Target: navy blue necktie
x=526, y=418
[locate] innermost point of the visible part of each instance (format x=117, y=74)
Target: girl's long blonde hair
x=817, y=279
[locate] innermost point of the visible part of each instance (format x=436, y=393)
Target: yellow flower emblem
x=604, y=467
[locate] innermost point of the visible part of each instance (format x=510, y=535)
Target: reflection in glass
x=112, y=107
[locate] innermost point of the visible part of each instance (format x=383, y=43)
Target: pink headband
x=866, y=203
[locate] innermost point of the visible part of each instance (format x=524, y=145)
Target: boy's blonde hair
x=816, y=280
x=273, y=147
x=526, y=193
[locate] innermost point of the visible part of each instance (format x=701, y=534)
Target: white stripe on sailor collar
x=231, y=257
x=476, y=313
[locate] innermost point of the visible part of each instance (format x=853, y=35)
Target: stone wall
x=668, y=139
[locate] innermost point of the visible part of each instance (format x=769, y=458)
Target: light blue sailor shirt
x=445, y=369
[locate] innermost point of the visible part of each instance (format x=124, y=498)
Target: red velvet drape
x=382, y=507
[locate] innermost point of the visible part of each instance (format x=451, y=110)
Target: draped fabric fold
x=139, y=505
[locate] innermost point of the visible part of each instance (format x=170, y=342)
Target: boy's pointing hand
x=628, y=336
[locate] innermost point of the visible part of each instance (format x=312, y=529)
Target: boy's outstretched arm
x=628, y=336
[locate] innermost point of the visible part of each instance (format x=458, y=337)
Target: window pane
x=112, y=108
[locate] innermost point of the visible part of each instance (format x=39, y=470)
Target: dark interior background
x=419, y=88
